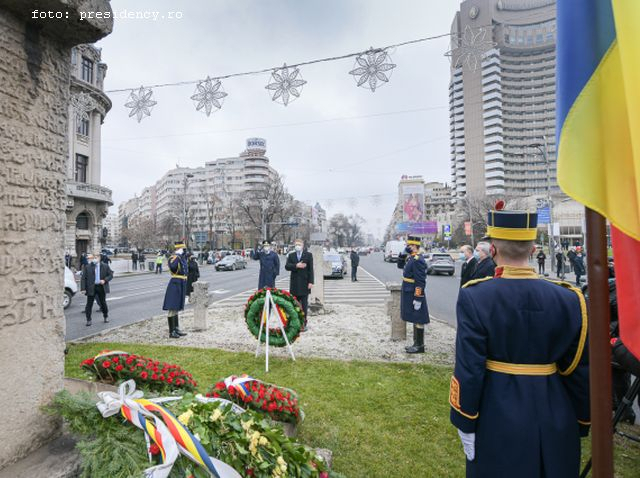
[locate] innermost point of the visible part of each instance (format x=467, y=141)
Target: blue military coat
x=521, y=375
x=414, y=277
x=177, y=287
x=269, y=268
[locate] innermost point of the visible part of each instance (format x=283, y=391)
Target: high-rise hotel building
x=502, y=112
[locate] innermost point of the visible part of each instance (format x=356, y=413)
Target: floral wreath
x=289, y=310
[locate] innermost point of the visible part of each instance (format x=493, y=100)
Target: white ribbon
x=111, y=403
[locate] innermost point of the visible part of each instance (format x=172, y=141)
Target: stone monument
x=200, y=301
x=316, y=297
x=398, y=326
x=36, y=37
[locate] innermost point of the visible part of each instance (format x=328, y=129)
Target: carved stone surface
x=316, y=297
x=34, y=96
x=398, y=326
x=200, y=301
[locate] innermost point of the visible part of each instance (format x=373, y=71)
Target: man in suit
x=300, y=264
x=485, y=267
x=469, y=264
x=94, y=283
x=355, y=262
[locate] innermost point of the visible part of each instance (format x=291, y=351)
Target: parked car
x=440, y=263
x=335, y=265
x=393, y=249
x=231, y=263
x=107, y=252
x=70, y=287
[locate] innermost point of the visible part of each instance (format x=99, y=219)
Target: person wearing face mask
x=519, y=393
x=269, y=265
x=174, y=297
x=300, y=264
x=469, y=264
x=95, y=285
x=413, y=303
x=485, y=266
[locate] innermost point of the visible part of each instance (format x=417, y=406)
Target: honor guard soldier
x=520, y=391
x=413, y=303
x=174, y=297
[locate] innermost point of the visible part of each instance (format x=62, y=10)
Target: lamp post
x=184, y=207
x=542, y=148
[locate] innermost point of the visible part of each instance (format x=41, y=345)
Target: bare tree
x=212, y=200
x=269, y=209
x=141, y=233
x=346, y=231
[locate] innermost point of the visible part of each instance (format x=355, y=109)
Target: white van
x=70, y=287
x=393, y=249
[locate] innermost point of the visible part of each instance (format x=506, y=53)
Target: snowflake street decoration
x=82, y=104
x=207, y=94
x=140, y=103
x=371, y=67
x=286, y=84
x=469, y=48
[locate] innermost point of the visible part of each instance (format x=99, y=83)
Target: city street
x=137, y=297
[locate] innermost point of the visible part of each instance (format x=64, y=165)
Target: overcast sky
x=335, y=142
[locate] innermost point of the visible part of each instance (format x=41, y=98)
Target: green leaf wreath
x=289, y=308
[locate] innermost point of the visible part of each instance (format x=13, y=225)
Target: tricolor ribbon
x=239, y=384
x=165, y=430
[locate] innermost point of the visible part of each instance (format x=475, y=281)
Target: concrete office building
x=502, y=113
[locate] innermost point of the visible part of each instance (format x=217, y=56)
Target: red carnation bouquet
x=117, y=366
x=278, y=403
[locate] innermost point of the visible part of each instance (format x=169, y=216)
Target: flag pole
x=599, y=346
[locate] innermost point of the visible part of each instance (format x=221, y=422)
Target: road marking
x=219, y=291
x=373, y=277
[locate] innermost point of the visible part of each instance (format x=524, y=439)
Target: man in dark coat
x=413, y=303
x=485, y=266
x=542, y=257
x=571, y=255
x=469, y=264
x=193, y=273
x=300, y=264
x=134, y=260
x=95, y=284
x=174, y=297
x=519, y=395
x=355, y=262
x=269, y=265
x=578, y=265
x=560, y=264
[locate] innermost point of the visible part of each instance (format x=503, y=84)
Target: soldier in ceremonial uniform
x=520, y=391
x=413, y=303
x=174, y=297
x=269, y=265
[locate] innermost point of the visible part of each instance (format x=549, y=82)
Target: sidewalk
x=550, y=271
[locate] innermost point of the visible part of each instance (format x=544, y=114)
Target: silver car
x=336, y=265
x=440, y=263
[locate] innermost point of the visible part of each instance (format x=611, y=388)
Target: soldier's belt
x=410, y=281
x=177, y=276
x=522, y=368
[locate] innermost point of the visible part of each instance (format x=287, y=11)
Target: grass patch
x=380, y=419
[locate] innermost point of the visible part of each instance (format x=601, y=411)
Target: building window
x=82, y=164
x=82, y=221
x=87, y=70
x=83, y=127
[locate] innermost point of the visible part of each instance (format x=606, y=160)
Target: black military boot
x=418, y=341
x=410, y=347
x=172, y=328
x=176, y=327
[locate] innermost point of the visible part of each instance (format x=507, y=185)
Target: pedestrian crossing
x=366, y=291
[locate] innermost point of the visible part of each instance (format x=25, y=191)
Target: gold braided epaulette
x=477, y=281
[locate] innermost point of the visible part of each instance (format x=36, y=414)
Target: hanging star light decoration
x=371, y=67
x=286, y=84
x=140, y=103
x=469, y=47
x=82, y=104
x=207, y=94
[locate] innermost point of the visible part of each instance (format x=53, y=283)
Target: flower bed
x=279, y=404
x=116, y=366
x=289, y=310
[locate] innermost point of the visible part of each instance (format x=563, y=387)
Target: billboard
x=425, y=227
x=544, y=215
x=413, y=202
x=256, y=144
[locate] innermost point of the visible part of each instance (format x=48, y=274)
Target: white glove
x=469, y=444
x=417, y=304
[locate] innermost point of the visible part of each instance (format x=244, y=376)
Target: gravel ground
x=345, y=332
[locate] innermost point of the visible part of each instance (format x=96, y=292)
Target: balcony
x=94, y=192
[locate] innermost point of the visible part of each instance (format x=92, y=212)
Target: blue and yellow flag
x=598, y=128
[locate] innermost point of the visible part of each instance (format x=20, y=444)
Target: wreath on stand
x=289, y=310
